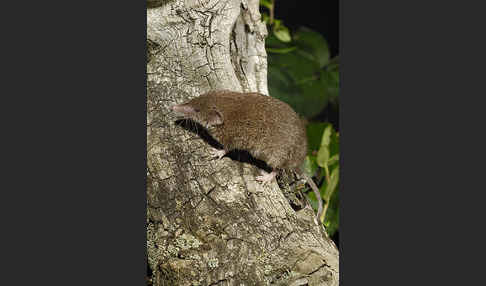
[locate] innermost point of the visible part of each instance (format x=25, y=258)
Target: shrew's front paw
x=216, y=153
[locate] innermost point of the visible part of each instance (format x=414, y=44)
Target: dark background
x=321, y=16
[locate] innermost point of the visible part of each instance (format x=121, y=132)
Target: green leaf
x=301, y=69
x=333, y=64
x=281, y=81
x=309, y=88
x=273, y=42
x=332, y=215
x=334, y=159
x=313, y=99
x=266, y=4
x=281, y=51
x=326, y=136
x=323, y=154
x=313, y=45
x=333, y=182
x=310, y=165
x=265, y=18
x=314, y=135
x=334, y=146
x=308, y=99
x=330, y=79
x=323, y=187
x=282, y=33
x=313, y=200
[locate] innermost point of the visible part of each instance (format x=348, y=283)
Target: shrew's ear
x=215, y=118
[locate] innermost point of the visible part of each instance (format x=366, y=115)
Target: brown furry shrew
x=269, y=129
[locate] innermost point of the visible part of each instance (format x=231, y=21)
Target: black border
x=411, y=76
x=75, y=159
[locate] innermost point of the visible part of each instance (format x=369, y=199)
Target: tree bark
x=208, y=221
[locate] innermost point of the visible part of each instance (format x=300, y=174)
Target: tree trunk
x=208, y=221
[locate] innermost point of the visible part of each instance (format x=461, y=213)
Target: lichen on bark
x=208, y=221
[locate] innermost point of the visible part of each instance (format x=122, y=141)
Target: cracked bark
x=208, y=221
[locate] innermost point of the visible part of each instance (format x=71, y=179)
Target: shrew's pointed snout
x=176, y=108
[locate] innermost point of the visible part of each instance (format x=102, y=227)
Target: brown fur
x=264, y=126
